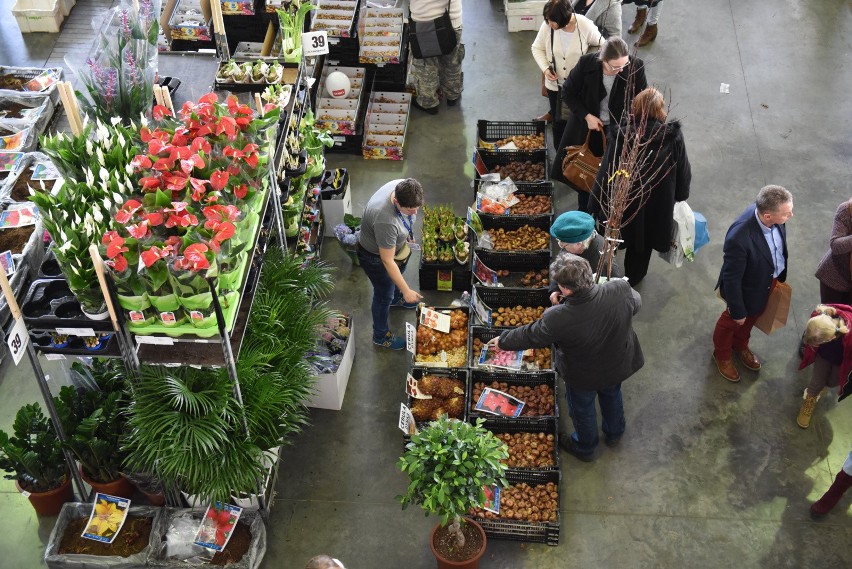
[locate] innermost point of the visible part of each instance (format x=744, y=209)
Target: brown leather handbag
x=580, y=165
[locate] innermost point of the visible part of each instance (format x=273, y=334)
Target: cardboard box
x=331, y=387
x=237, y=7
x=186, y=24
x=334, y=210
x=32, y=17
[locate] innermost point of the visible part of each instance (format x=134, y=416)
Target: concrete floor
x=709, y=474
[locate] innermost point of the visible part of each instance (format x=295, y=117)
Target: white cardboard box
x=331, y=387
x=524, y=16
x=32, y=17
x=334, y=210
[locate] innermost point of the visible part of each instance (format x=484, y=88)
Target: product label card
x=492, y=357
x=413, y=390
x=167, y=317
x=41, y=82
x=486, y=276
x=436, y=320
x=483, y=312
x=9, y=160
x=492, y=499
x=407, y=424
x=136, y=316
x=217, y=526
x=45, y=171
x=14, y=141
x=107, y=518
x=411, y=338
x=18, y=215
x=7, y=263
x=499, y=403
x=82, y=332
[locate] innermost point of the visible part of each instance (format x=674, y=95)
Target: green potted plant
x=33, y=458
x=94, y=424
x=449, y=464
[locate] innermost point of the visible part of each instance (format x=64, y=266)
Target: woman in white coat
x=562, y=39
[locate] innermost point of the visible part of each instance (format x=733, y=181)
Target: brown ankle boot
x=807, y=410
x=649, y=35
x=825, y=504
x=638, y=22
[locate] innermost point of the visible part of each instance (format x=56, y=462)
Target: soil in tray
x=15, y=239
x=12, y=110
x=132, y=538
x=21, y=189
x=12, y=82
x=237, y=546
x=446, y=544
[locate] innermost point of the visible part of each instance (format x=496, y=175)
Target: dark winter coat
x=747, y=267
x=583, y=91
x=667, y=172
x=596, y=346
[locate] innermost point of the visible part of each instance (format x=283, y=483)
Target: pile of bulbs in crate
x=455, y=372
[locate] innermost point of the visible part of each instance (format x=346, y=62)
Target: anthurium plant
x=449, y=463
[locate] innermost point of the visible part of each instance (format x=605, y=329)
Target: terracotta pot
x=472, y=563
x=158, y=499
x=50, y=503
x=120, y=487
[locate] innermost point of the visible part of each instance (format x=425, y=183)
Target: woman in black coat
x=596, y=92
x=665, y=175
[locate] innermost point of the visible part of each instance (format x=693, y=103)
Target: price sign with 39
x=315, y=43
x=18, y=340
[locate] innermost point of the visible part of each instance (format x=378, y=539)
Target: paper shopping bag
x=774, y=315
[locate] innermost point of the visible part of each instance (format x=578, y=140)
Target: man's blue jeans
x=581, y=406
x=384, y=292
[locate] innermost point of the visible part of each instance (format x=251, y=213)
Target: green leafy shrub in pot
x=32, y=456
x=449, y=463
x=93, y=418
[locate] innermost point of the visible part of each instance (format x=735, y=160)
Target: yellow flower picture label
x=107, y=517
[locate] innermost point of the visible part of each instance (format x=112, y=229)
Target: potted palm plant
x=449, y=464
x=32, y=457
x=94, y=423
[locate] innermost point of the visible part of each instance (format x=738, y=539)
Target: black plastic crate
x=485, y=334
x=546, y=425
x=518, y=264
x=526, y=188
x=454, y=373
x=493, y=158
x=501, y=297
x=459, y=274
x=512, y=378
x=519, y=530
x=490, y=132
x=433, y=365
x=513, y=222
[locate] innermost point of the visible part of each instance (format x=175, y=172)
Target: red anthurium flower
x=241, y=191
x=209, y=98
x=228, y=126
x=173, y=243
x=154, y=219
x=194, y=256
x=150, y=183
x=224, y=231
x=164, y=164
x=154, y=254
x=194, y=161
x=219, y=179
x=233, y=169
x=252, y=160
x=155, y=146
x=114, y=243
x=199, y=143
x=249, y=148
x=204, y=130
x=119, y=264
x=180, y=137
x=174, y=181
x=160, y=111
x=141, y=161
x=109, y=236
x=139, y=230
x=126, y=212
x=230, y=212
x=199, y=188
x=145, y=134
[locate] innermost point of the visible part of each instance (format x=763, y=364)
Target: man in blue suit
x=755, y=260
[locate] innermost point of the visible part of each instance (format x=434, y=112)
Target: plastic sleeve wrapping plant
x=160, y=557
x=76, y=510
x=118, y=75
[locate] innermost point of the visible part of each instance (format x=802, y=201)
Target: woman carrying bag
x=596, y=92
x=606, y=14
x=665, y=177
x=562, y=38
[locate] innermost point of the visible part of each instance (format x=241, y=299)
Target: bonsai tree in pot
x=93, y=420
x=449, y=463
x=33, y=458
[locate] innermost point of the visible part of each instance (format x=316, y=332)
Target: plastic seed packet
x=107, y=518
x=492, y=357
x=492, y=499
x=217, y=526
x=499, y=403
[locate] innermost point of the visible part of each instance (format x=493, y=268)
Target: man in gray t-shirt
x=387, y=230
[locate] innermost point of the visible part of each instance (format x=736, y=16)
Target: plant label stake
x=407, y=424
x=411, y=338
x=18, y=340
x=107, y=518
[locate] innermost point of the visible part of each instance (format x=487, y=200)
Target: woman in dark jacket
x=664, y=176
x=597, y=91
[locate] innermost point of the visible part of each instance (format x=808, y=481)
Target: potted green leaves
x=94, y=424
x=32, y=457
x=449, y=464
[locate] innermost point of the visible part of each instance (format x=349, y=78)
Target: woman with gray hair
x=596, y=349
x=597, y=92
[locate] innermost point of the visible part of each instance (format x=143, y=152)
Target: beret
x=573, y=227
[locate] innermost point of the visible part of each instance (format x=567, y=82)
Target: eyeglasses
x=616, y=69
